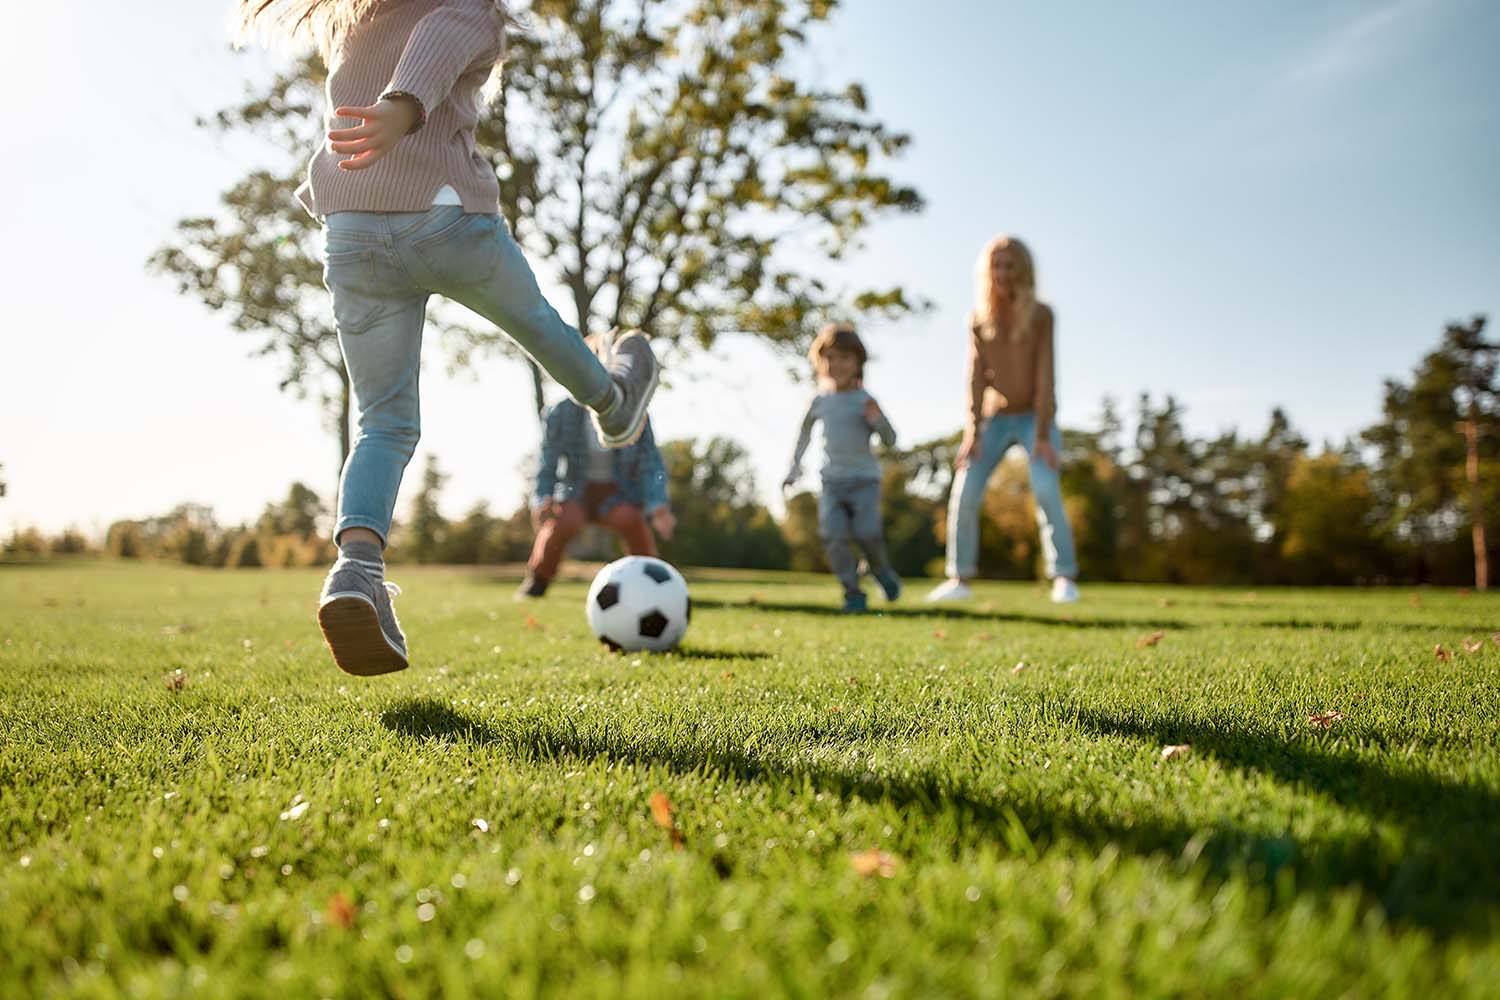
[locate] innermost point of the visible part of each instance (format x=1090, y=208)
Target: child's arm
x=546, y=467
x=876, y=418
x=652, y=481
x=444, y=44
x=803, y=440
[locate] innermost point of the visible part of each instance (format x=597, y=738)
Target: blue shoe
x=855, y=604
x=890, y=583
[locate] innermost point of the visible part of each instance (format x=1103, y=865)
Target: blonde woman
x=410, y=209
x=1010, y=401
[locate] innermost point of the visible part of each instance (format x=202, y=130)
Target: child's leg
x=835, y=528
x=868, y=528
x=552, y=540
x=629, y=522
x=1052, y=517
x=473, y=260
x=967, y=497
x=379, y=315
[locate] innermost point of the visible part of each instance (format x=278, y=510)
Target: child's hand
x=1043, y=452
x=872, y=411
x=664, y=523
x=967, y=449
x=384, y=124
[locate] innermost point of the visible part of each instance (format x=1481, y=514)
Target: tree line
x=1403, y=501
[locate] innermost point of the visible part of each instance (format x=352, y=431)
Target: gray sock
x=366, y=554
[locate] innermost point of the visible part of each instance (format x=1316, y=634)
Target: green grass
x=1042, y=844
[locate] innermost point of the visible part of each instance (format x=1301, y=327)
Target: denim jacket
x=562, y=472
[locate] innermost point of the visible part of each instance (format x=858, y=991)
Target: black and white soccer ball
x=639, y=603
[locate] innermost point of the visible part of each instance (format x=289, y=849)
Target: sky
x=1245, y=205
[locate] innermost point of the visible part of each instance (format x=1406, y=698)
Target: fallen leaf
x=661, y=813
x=1472, y=645
x=984, y=637
x=1323, y=720
x=938, y=633
x=481, y=825
x=176, y=680
x=340, y=911
x=1151, y=640
x=727, y=675
x=1164, y=602
x=1443, y=656
x=1176, y=750
x=875, y=862
x=1416, y=600
x=535, y=625
x=1020, y=666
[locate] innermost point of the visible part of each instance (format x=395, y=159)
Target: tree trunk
x=1476, y=502
x=538, y=388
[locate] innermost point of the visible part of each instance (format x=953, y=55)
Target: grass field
x=481, y=825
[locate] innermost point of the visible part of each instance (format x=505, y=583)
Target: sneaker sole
x=637, y=426
x=354, y=636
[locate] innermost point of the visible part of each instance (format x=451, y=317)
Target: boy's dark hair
x=837, y=337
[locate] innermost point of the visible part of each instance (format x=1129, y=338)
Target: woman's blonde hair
x=836, y=337
x=987, y=294
x=325, y=22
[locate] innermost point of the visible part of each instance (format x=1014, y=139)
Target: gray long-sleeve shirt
x=845, y=437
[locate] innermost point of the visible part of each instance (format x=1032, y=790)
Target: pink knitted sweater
x=441, y=52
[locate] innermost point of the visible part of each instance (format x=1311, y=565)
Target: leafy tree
x=719, y=520
x=298, y=514
x=662, y=154
x=424, y=536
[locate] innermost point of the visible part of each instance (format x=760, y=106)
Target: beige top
x=1011, y=376
x=441, y=52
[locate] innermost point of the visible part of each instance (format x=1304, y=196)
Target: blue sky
x=1245, y=205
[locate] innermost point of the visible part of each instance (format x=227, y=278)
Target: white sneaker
x=950, y=590
x=1064, y=591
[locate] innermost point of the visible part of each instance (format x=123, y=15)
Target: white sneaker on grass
x=1064, y=591
x=949, y=590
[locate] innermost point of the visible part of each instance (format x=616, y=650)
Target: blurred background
x=1271, y=234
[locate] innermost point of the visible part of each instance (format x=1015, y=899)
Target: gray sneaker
x=359, y=622
x=634, y=369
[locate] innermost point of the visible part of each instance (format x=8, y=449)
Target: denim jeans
x=999, y=433
x=849, y=516
x=381, y=268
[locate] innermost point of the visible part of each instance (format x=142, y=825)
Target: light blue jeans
x=381, y=269
x=969, y=483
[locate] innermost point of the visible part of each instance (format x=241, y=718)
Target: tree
x=298, y=514
x=426, y=533
x=664, y=153
x=719, y=520
x=1428, y=482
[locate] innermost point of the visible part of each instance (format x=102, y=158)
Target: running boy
x=849, y=504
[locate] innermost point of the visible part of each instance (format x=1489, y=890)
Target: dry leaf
x=176, y=680
x=875, y=862
x=1416, y=600
x=1164, y=602
x=1472, y=645
x=1443, y=656
x=727, y=675
x=1151, y=640
x=340, y=911
x=1323, y=720
x=534, y=624
x=1176, y=750
x=834, y=710
x=1022, y=665
x=938, y=633
x=661, y=813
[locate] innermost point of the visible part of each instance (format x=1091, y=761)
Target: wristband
x=405, y=95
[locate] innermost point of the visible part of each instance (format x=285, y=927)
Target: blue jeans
x=969, y=483
x=381, y=268
x=849, y=517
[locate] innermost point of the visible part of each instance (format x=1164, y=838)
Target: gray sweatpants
x=849, y=516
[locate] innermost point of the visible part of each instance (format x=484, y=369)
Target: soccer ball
x=639, y=603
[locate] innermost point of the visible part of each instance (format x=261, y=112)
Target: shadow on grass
x=1440, y=874
x=694, y=653
x=948, y=612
